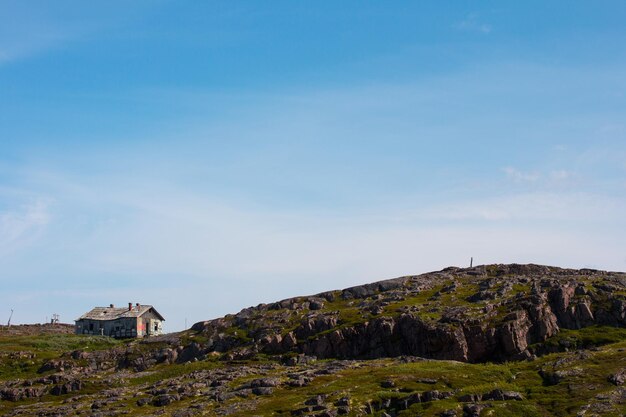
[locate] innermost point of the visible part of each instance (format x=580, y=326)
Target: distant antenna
x=471, y=261
x=10, y=317
x=54, y=319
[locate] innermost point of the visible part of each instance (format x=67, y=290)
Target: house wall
x=122, y=327
x=153, y=325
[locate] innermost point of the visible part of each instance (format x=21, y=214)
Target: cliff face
x=494, y=312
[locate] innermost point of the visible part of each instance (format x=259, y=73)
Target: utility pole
x=10, y=317
x=471, y=261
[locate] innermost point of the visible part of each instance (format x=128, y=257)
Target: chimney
x=138, y=305
x=111, y=306
x=130, y=306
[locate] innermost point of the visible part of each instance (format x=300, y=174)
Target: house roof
x=112, y=313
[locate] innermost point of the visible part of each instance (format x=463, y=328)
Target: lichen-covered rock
x=618, y=378
x=67, y=387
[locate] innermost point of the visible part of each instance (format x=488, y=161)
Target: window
x=91, y=327
x=156, y=327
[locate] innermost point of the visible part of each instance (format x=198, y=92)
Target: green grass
x=39, y=348
x=362, y=380
x=56, y=342
x=163, y=371
x=587, y=337
x=363, y=385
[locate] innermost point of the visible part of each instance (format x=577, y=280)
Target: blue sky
x=208, y=156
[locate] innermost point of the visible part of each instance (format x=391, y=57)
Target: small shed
x=133, y=321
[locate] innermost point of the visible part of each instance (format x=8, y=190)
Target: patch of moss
x=586, y=337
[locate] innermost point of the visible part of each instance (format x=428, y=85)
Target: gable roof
x=112, y=313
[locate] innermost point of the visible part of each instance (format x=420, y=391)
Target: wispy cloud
x=561, y=175
x=473, y=23
x=21, y=225
x=521, y=176
x=12, y=50
x=529, y=207
x=24, y=32
x=27, y=30
x=553, y=177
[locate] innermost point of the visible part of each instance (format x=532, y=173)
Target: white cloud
x=533, y=207
x=537, y=177
x=612, y=128
x=22, y=225
x=472, y=24
x=27, y=30
x=560, y=175
x=520, y=176
x=24, y=33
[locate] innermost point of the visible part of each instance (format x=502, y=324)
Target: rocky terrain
x=497, y=340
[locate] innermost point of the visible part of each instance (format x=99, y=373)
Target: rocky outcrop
x=512, y=310
x=17, y=394
x=618, y=378
x=66, y=388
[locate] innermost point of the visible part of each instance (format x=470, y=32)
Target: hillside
x=497, y=340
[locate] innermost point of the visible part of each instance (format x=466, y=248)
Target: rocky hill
x=496, y=340
x=487, y=313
